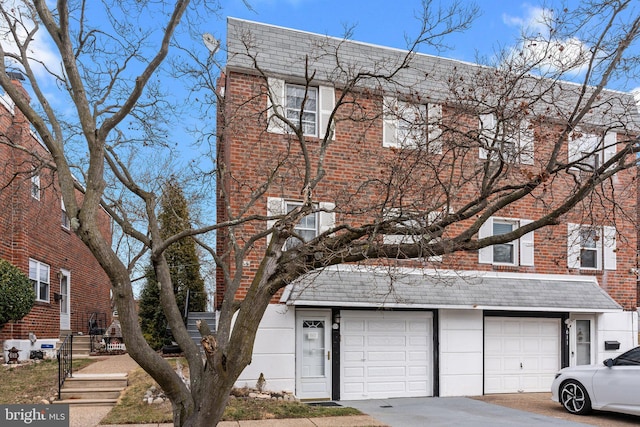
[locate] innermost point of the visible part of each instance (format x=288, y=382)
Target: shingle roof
x=281, y=52
x=352, y=287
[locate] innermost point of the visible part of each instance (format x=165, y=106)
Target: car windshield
x=631, y=357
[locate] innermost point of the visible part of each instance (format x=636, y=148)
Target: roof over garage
x=351, y=286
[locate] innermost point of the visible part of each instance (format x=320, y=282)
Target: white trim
x=300, y=302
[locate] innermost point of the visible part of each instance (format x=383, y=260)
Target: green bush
x=16, y=293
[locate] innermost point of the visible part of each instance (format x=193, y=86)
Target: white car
x=613, y=386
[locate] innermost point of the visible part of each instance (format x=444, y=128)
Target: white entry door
x=313, y=354
x=520, y=354
x=581, y=348
x=65, y=290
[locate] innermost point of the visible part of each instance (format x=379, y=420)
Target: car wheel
x=574, y=398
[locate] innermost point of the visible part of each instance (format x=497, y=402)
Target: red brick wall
x=357, y=155
x=32, y=229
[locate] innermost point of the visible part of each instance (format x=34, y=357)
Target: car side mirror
x=608, y=363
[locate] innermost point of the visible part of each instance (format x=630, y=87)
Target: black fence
x=65, y=362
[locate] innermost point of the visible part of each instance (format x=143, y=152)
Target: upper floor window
x=307, y=107
x=39, y=276
x=65, y=218
x=510, y=141
x=309, y=226
x=407, y=230
x=587, y=151
x=591, y=247
x=411, y=125
x=35, y=186
x=306, y=229
x=302, y=103
x=516, y=252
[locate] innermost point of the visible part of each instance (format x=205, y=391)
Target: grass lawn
x=31, y=382
x=132, y=409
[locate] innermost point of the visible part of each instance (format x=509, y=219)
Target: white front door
x=313, y=354
x=65, y=312
x=520, y=354
x=581, y=341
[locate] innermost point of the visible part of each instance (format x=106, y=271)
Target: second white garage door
x=385, y=354
x=521, y=354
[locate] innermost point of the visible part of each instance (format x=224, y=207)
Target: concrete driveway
x=451, y=411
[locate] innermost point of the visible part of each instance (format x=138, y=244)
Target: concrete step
x=87, y=402
x=85, y=381
x=90, y=393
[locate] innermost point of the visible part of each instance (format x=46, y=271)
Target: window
x=587, y=151
x=65, y=218
x=591, y=247
x=302, y=101
x=630, y=358
x=409, y=125
x=505, y=253
x=314, y=105
x=403, y=233
x=39, y=276
x=510, y=141
x=516, y=252
x=310, y=226
x=35, y=186
x=306, y=229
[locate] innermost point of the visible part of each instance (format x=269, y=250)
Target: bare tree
x=117, y=122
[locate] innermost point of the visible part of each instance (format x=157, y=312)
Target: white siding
x=274, y=351
x=621, y=327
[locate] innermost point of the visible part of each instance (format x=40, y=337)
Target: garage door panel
x=396, y=353
x=525, y=361
x=386, y=341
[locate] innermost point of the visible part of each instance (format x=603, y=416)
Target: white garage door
x=385, y=354
x=521, y=354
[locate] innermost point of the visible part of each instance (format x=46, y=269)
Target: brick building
x=500, y=319
x=35, y=235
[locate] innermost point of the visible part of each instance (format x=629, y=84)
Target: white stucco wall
x=461, y=354
x=274, y=351
x=621, y=327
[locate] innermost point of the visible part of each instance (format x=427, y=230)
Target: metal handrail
x=65, y=362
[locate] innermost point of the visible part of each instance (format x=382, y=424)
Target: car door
x=616, y=388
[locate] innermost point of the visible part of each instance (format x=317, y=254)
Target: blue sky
x=386, y=23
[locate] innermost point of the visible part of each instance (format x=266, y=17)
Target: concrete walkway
x=90, y=416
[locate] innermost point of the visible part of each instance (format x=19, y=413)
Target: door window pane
x=583, y=342
x=313, y=348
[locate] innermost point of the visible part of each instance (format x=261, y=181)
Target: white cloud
x=546, y=53
x=534, y=21
x=41, y=48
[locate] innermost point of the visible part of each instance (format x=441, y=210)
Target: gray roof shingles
x=379, y=289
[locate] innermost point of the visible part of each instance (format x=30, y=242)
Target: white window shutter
x=326, y=102
x=275, y=206
x=573, y=245
x=526, y=245
x=327, y=217
x=432, y=217
x=609, y=247
x=526, y=145
x=485, y=255
x=610, y=146
x=390, y=122
x=275, y=102
x=487, y=127
x=434, y=131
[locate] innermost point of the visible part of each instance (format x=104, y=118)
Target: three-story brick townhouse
x=71, y=288
x=443, y=137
